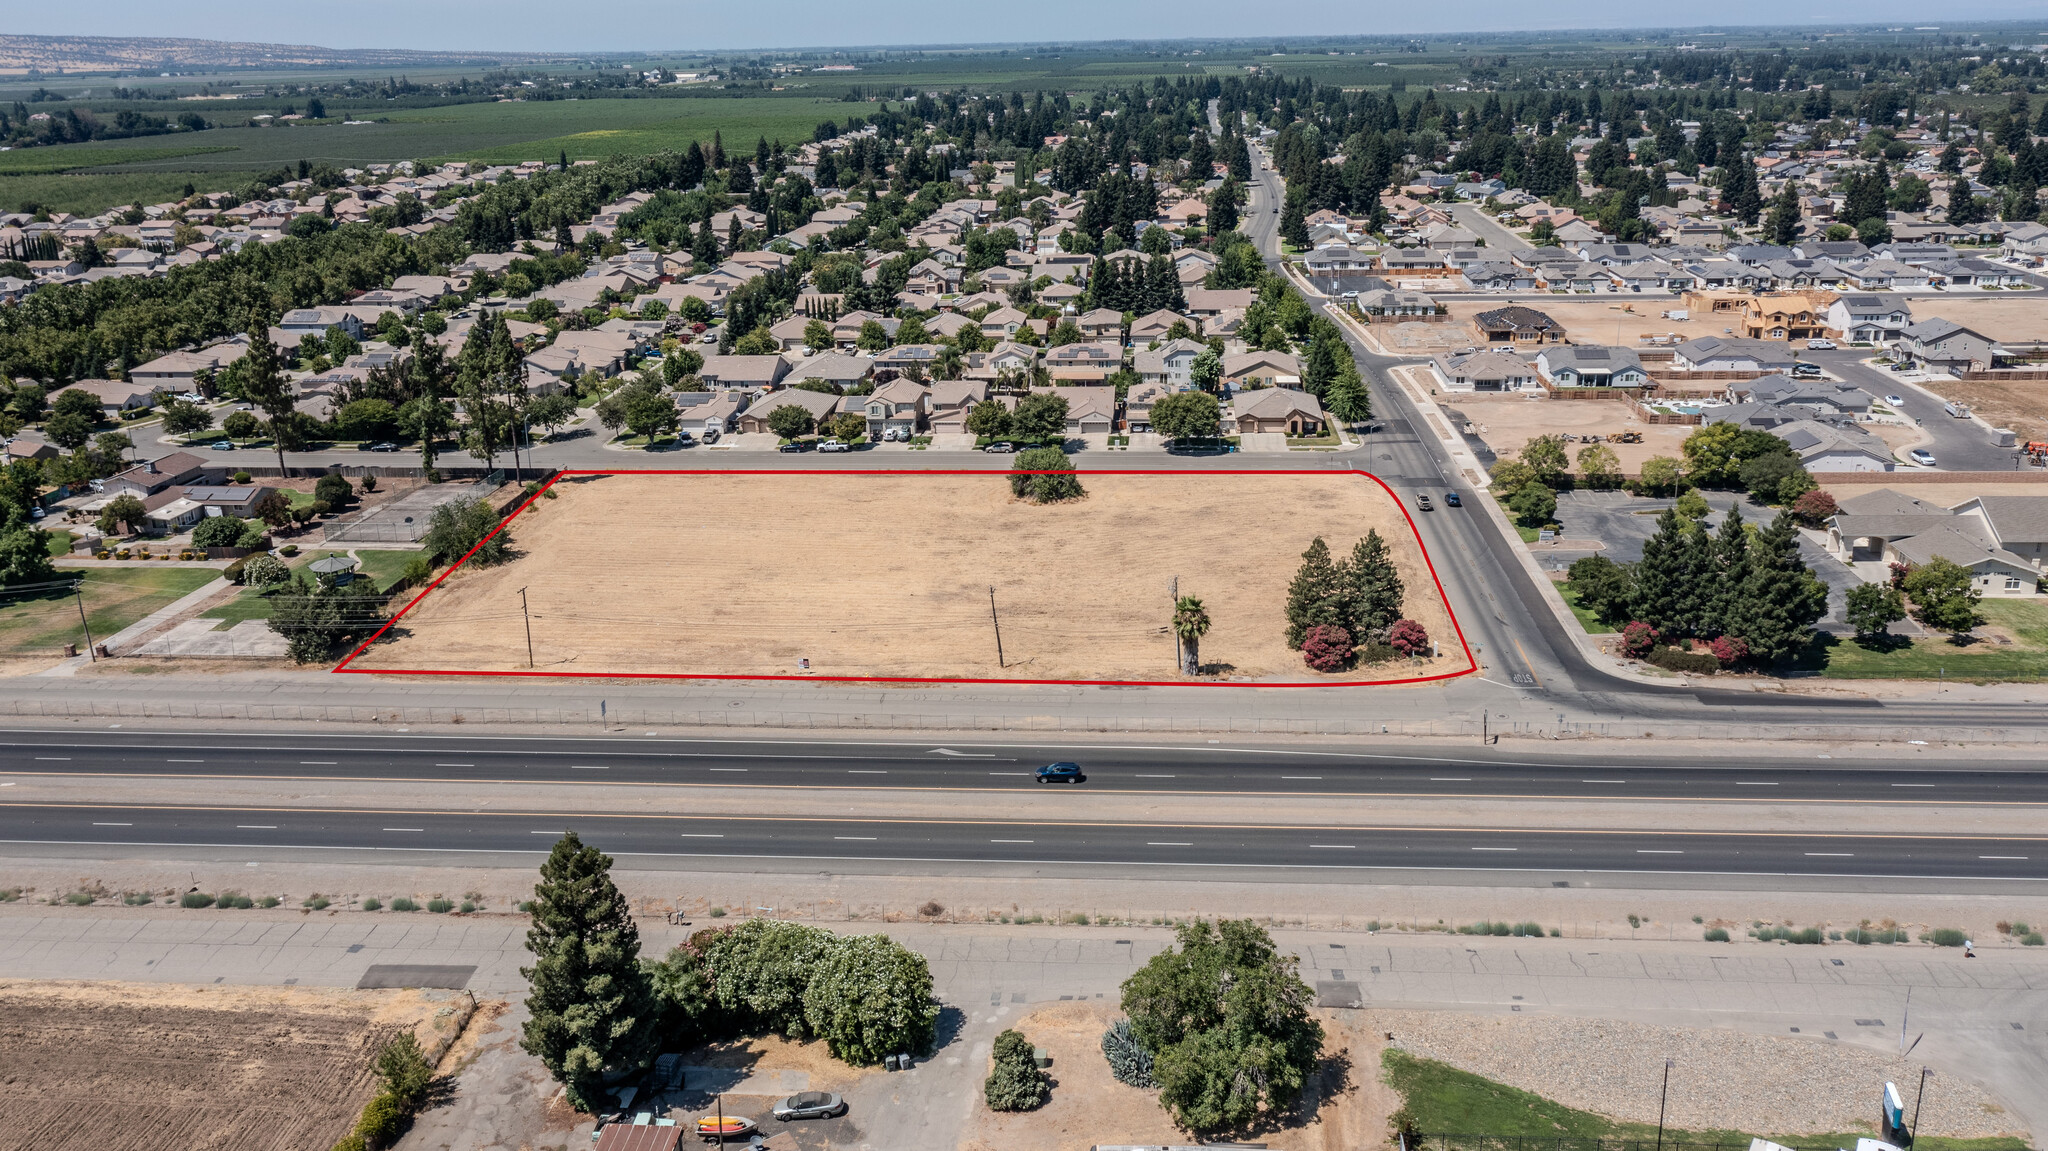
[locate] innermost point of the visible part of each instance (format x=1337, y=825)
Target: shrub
x=1678, y=659
x=718, y=913
x=440, y=906
x=1638, y=639
x=404, y=904
x=369, y=483
x=869, y=996
x=264, y=571
x=1128, y=1060
x=1864, y=935
x=372, y=904
x=79, y=899
x=317, y=903
x=1015, y=1082
x=1806, y=935
x=137, y=899
x=350, y=1143
x=1326, y=647
x=467, y=907
x=2032, y=939
x=1377, y=651
x=406, y=1074
x=1728, y=649
x=334, y=490
x=195, y=899
x=1943, y=937
x=217, y=532
x=241, y=477
x=289, y=549
x=419, y=571
x=235, y=900
x=382, y=1121
x=1717, y=935
x=1409, y=638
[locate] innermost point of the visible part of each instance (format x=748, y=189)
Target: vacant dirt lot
x=1602, y=319
x=115, y=1067
x=2021, y=405
x=871, y=575
x=1506, y=421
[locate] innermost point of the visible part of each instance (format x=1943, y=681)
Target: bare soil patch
x=115, y=1066
x=1346, y=1107
x=865, y=575
x=2021, y=405
x=1507, y=422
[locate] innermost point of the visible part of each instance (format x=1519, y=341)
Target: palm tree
x=1190, y=623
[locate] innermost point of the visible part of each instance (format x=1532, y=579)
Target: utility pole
x=529, y=626
x=80, y=596
x=998, y=622
x=1173, y=596
x=1662, y=1098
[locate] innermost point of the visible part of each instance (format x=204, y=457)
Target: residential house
x=1170, y=363
x=1205, y=302
x=821, y=406
x=1149, y=328
x=1244, y=371
x=1867, y=318
x=707, y=411
x=1499, y=277
x=1834, y=447
x=841, y=371
x=1090, y=410
x=1590, y=369
x=743, y=372
x=846, y=329
x=237, y=500
x=153, y=476
x=1727, y=354
x=1802, y=398
x=1084, y=363
x=1999, y=538
x=899, y=405
x=1883, y=275
x=1101, y=324
x=1516, y=324
x=1487, y=370
x=789, y=333
x=1002, y=323
x=116, y=396
x=1395, y=302
x=1941, y=344
x=176, y=369
x=1287, y=410
x=1344, y=260
x=949, y=402
x=904, y=359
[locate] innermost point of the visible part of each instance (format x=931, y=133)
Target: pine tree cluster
x=1128, y=286
x=1361, y=594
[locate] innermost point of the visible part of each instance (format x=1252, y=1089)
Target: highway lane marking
x=53, y=759
x=1603, y=781
x=1831, y=854
x=857, y=838
x=964, y=754
x=1450, y=779
x=1355, y=867
x=1158, y=777
x=1496, y=849
x=700, y=835
x=1009, y=773
x=1912, y=785
x=1150, y=844
x=1335, y=846
x=317, y=763
x=405, y=829
x=203, y=761
x=809, y=819
x=1301, y=777
x=732, y=769
x=1656, y=851
x=455, y=765
x=113, y=825
x=2001, y=857
x=255, y=827
x=1013, y=841
x=589, y=767
x=865, y=771
x=1752, y=783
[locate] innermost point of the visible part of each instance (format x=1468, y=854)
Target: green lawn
x=114, y=598
x=1982, y=661
x=1442, y=1100
x=386, y=567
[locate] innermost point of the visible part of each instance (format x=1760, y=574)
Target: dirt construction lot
x=888, y=576
x=133, y=1067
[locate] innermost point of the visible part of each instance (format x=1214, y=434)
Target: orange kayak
x=732, y=1126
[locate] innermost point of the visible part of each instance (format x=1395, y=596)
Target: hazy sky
x=656, y=25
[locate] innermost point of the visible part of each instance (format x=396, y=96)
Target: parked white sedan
x=1921, y=456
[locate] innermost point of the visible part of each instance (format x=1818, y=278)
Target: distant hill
x=49, y=54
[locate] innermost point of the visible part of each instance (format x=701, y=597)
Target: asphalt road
x=975, y=830
x=1959, y=445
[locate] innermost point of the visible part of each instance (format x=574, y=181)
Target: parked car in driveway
x=1061, y=773
x=1921, y=456
x=1806, y=371
x=810, y=1105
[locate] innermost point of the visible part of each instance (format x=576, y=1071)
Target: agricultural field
x=124, y=1067
x=889, y=576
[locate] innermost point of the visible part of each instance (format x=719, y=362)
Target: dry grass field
x=747, y=574
x=128, y=1067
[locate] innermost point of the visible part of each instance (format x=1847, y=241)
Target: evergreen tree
x=592, y=1005
x=1347, y=398
x=1745, y=200
x=1780, y=599
x=1316, y=596
x=1223, y=208
x=1963, y=205
x=1319, y=366
x=1668, y=589
x=1784, y=223
x=1728, y=563
x=265, y=386
x=1372, y=588
x=1293, y=222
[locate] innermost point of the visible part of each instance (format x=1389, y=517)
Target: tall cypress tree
x=1728, y=561
x=591, y=1003
x=1372, y=587
x=1667, y=595
x=1780, y=599
x=1316, y=596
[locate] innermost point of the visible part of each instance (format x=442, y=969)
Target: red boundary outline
x=1472, y=667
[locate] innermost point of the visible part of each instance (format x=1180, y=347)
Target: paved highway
x=119, y=790
x=998, y=766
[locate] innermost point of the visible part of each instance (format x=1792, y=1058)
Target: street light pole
x=1663, y=1097
x=1173, y=595
x=1913, y=1132
x=80, y=596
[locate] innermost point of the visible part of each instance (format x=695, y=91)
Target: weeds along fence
x=1418, y=1142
